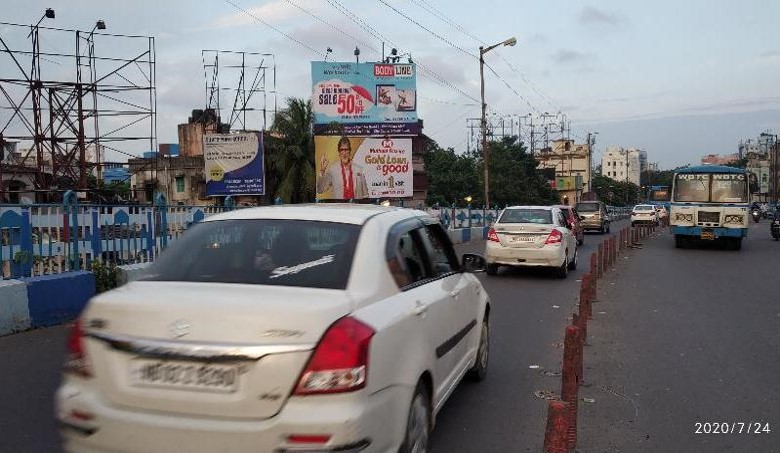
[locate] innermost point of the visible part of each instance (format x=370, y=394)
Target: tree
x=290, y=157
x=616, y=193
x=451, y=177
x=514, y=178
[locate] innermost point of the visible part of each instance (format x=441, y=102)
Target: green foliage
x=106, y=276
x=656, y=178
x=514, y=178
x=290, y=157
x=617, y=193
x=739, y=163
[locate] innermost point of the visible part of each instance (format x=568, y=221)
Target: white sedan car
x=532, y=236
x=312, y=328
x=644, y=213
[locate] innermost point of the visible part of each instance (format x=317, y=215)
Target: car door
x=568, y=236
x=463, y=288
x=430, y=300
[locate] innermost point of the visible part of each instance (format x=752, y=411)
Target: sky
x=678, y=79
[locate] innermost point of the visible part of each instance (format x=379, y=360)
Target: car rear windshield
x=644, y=208
x=541, y=216
x=587, y=207
x=267, y=252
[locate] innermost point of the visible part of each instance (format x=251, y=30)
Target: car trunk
x=523, y=235
x=206, y=349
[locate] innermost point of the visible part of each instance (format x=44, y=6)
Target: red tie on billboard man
x=347, y=179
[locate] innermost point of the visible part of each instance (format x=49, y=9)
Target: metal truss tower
x=70, y=106
x=240, y=87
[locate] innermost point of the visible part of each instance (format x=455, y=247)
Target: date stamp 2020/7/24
x=732, y=428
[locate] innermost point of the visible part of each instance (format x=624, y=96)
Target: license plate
x=708, y=235
x=184, y=375
x=522, y=238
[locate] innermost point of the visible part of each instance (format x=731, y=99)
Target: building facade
x=572, y=165
x=624, y=164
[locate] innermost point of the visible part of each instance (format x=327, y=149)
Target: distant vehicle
x=774, y=227
x=644, y=213
x=573, y=217
x=710, y=203
x=295, y=328
x=595, y=216
x=531, y=236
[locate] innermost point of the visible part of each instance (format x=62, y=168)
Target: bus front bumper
x=718, y=231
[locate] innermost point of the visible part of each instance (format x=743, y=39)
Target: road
x=685, y=336
x=530, y=310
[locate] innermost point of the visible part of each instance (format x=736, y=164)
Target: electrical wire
x=278, y=30
x=320, y=19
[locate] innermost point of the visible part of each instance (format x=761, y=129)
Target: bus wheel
x=679, y=241
x=736, y=243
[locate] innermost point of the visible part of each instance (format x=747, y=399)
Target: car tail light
x=340, y=360
x=555, y=237
x=309, y=439
x=76, y=361
x=493, y=236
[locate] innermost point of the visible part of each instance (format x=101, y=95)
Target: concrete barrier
x=14, y=311
x=59, y=298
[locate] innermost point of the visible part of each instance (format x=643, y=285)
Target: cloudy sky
x=678, y=78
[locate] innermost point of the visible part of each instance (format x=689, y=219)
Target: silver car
x=536, y=236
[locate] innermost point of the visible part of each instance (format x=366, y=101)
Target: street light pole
x=483, y=123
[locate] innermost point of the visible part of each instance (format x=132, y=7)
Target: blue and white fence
x=38, y=240
x=47, y=239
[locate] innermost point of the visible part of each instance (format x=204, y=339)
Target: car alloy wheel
x=418, y=423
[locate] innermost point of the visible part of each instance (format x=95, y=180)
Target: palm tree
x=291, y=156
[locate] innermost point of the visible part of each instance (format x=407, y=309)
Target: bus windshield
x=710, y=188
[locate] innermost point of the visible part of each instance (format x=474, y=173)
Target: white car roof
x=356, y=214
x=548, y=208
x=644, y=206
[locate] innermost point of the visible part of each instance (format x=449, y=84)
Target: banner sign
x=234, y=164
x=360, y=167
x=371, y=94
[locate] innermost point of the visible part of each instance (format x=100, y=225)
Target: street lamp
x=49, y=14
x=482, y=51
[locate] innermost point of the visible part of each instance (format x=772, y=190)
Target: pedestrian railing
x=52, y=239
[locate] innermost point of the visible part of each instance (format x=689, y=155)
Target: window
x=409, y=265
x=692, y=187
x=442, y=255
x=180, y=184
x=264, y=251
x=540, y=216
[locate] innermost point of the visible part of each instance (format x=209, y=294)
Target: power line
x=433, y=33
x=443, y=17
x=278, y=30
x=320, y=19
x=431, y=74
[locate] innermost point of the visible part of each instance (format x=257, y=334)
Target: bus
x=709, y=203
x=660, y=196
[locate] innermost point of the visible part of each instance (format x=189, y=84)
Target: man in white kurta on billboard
x=348, y=180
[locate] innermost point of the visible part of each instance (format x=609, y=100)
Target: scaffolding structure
x=241, y=88
x=70, y=106
x=537, y=136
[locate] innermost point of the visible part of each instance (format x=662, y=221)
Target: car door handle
x=420, y=308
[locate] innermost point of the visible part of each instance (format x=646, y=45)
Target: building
x=624, y=164
x=181, y=178
x=717, y=159
x=572, y=165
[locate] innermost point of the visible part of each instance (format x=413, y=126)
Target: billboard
x=234, y=164
x=362, y=167
x=365, y=98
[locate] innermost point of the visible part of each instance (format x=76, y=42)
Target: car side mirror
x=471, y=262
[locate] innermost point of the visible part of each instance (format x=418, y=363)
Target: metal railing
x=52, y=239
